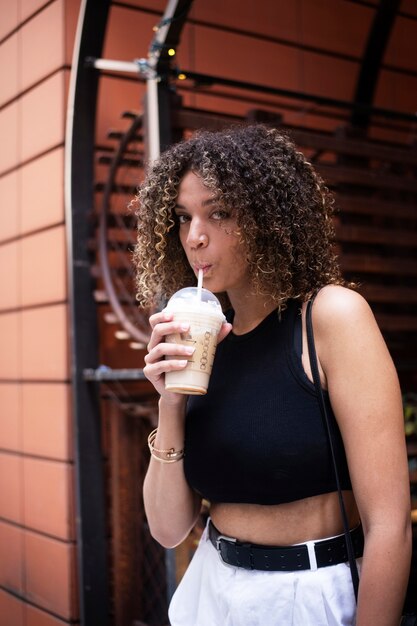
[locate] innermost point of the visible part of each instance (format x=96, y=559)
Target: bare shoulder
x=346, y=332
x=336, y=305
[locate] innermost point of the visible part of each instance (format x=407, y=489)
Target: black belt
x=284, y=558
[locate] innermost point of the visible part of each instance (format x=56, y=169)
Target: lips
x=202, y=266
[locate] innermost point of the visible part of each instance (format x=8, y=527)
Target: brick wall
x=37, y=540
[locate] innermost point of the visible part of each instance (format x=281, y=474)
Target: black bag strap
x=320, y=398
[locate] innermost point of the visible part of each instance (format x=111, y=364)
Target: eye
x=220, y=214
x=182, y=218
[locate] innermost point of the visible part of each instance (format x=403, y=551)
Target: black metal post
x=79, y=177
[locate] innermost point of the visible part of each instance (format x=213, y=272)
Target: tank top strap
x=297, y=330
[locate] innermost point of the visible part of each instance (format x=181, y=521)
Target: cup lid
x=193, y=298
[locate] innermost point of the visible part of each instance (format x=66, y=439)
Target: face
x=209, y=235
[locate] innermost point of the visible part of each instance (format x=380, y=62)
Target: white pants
x=214, y=594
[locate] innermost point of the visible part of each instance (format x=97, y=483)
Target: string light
x=171, y=52
x=182, y=76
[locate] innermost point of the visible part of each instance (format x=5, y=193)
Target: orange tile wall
x=37, y=538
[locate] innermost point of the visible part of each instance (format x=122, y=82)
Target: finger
x=224, y=331
x=161, y=316
x=162, y=329
x=171, y=350
x=154, y=371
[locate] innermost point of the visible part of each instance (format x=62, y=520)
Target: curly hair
x=283, y=212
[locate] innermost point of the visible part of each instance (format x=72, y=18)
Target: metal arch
x=378, y=38
x=79, y=175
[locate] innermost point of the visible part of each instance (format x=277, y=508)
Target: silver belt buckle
x=218, y=547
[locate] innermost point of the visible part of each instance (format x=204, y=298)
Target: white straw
x=199, y=283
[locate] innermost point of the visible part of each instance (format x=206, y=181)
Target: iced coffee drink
x=202, y=311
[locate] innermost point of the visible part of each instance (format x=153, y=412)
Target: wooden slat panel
x=367, y=234
x=193, y=118
x=395, y=323
x=355, y=147
x=119, y=188
x=380, y=293
x=120, y=260
x=336, y=174
x=378, y=265
x=121, y=236
x=372, y=206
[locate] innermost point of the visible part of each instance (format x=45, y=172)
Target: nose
x=197, y=237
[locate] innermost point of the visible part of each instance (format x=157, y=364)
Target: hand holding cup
x=201, y=311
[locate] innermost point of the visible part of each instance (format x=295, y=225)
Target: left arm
x=366, y=400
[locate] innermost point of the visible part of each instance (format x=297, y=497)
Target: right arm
x=171, y=506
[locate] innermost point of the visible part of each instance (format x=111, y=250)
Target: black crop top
x=257, y=436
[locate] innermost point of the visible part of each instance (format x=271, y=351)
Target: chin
x=213, y=285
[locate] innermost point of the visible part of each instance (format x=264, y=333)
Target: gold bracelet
x=163, y=456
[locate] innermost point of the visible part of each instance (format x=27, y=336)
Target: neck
x=249, y=310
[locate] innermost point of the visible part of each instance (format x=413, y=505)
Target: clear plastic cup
x=202, y=311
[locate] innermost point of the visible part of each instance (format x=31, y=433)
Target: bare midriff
x=285, y=524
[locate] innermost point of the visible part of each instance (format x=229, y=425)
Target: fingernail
x=184, y=326
x=189, y=350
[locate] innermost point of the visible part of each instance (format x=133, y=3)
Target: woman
x=247, y=208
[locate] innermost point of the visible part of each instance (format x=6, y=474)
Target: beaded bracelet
x=163, y=456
